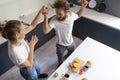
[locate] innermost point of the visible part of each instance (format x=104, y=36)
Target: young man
x=63, y=25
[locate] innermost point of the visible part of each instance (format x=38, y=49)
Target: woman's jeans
x=31, y=73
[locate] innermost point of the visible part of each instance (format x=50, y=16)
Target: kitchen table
x=105, y=62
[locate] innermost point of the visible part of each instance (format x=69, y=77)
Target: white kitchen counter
x=103, y=18
x=105, y=62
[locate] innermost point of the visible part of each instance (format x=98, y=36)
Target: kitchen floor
x=46, y=57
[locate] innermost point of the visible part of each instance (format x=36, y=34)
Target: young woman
x=21, y=52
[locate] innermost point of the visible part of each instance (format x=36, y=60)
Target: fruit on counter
x=75, y=65
x=81, y=72
x=56, y=74
x=89, y=62
x=84, y=78
x=85, y=67
x=76, y=62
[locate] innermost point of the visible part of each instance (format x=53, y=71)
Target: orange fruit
x=75, y=65
x=84, y=78
x=89, y=62
x=77, y=60
x=81, y=72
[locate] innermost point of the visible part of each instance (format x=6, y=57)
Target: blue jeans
x=30, y=73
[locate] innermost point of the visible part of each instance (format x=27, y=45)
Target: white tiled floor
x=46, y=57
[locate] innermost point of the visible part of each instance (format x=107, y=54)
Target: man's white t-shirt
x=18, y=54
x=64, y=28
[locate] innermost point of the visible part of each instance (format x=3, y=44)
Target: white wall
x=12, y=9
x=113, y=7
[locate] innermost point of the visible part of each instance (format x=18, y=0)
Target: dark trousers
x=61, y=50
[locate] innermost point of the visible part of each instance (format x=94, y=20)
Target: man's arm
x=83, y=6
x=46, y=26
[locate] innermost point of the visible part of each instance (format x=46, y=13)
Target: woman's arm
x=34, y=22
x=29, y=61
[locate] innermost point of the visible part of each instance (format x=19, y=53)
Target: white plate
x=92, y=4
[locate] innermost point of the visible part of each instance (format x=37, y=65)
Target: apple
x=56, y=74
